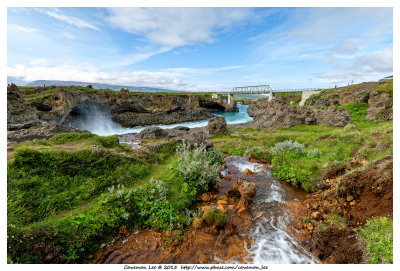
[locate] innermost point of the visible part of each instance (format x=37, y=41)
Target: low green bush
x=216, y=218
x=287, y=146
x=195, y=169
x=378, y=237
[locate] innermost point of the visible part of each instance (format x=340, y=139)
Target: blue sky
x=201, y=48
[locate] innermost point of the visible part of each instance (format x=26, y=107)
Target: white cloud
x=22, y=28
x=69, y=19
x=178, y=26
x=365, y=67
x=347, y=47
x=200, y=71
x=93, y=74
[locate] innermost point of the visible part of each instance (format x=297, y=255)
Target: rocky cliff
x=66, y=105
x=332, y=107
x=279, y=114
x=378, y=96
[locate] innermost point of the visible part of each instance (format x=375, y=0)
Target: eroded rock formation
x=279, y=114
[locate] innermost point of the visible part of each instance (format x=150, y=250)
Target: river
x=104, y=126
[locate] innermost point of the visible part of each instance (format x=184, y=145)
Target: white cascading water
x=101, y=124
x=270, y=242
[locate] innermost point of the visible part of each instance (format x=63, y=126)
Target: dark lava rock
x=216, y=125
x=192, y=137
x=279, y=114
x=36, y=130
x=153, y=132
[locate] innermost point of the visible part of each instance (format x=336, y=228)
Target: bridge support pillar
x=230, y=98
x=271, y=96
x=307, y=94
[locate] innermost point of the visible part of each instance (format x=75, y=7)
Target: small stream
x=270, y=242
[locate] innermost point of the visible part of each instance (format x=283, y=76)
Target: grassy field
x=31, y=93
x=72, y=199
x=321, y=144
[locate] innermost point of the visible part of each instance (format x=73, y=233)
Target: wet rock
x=222, y=202
x=231, y=229
x=247, y=190
x=221, y=208
x=197, y=222
x=180, y=128
x=323, y=185
x=207, y=197
x=316, y=215
x=248, y=172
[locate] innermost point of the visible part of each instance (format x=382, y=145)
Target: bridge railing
x=263, y=89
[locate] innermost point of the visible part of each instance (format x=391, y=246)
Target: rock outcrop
x=192, y=137
x=216, y=125
x=65, y=106
x=375, y=94
x=36, y=130
x=279, y=114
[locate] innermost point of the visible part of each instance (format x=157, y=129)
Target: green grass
x=62, y=197
x=386, y=87
x=335, y=144
x=357, y=110
x=71, y=199
x=45, y=92
x=74, y=141
x=378, y=237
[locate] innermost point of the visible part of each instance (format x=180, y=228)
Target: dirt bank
x=327, y=223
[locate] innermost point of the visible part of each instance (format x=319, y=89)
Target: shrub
x=217, y=218
x=196, y=169
x=215, y=156
x=378, y=237
x=315, y=153
x=287, y=146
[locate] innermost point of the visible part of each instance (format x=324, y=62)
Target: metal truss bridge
x=265, y=89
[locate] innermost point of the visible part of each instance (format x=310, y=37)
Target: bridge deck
x=244, y=90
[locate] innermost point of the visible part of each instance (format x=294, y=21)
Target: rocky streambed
x=257, y=230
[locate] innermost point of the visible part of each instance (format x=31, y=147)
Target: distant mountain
x=16, y=80
x=39, y=83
